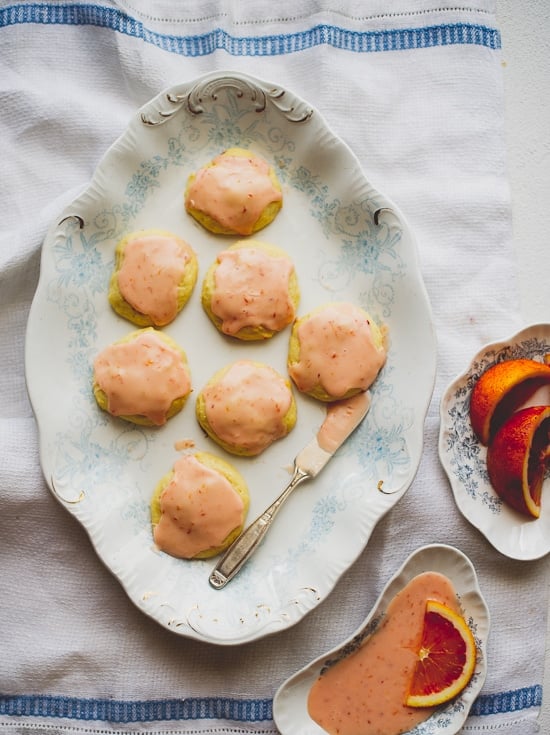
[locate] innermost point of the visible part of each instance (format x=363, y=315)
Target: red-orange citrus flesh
x=517, y=457
x=501, y=390
x=446, y=659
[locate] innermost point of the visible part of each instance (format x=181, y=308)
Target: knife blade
x=343, y=417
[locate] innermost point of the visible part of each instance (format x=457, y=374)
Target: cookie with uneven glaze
x=251, y=291
x=143, y=378
x=245, y=407
x=335, y=351
x=199, y=508
x=236, y=193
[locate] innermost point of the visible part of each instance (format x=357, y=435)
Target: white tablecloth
x=416, y=91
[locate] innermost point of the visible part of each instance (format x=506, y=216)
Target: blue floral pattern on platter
x=290, y=702
x=464, y=457
x=348, y=243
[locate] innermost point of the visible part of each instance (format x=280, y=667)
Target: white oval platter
x=348, y=242
x=464, y=457
x=290, y=702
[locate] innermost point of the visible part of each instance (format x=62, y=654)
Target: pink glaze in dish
x=364, y=693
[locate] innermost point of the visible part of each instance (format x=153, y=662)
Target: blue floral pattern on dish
x=84, y=269
x=290, y=702
x=464, y=458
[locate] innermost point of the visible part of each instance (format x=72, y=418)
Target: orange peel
x=517, y=458
x=501, y=390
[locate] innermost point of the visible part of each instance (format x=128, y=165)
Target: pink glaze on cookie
x=142, y=377
x=252, y=290
x=337, y=351
x=152, y=268
x=247, y=405
x=199, y=509
x=234, y=191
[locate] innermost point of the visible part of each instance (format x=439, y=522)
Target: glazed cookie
x=154, y=275
x=237, y=193
x=251, y=291
x=143, y=378
x=199, y=508
x=335, y=351
x=245, y=407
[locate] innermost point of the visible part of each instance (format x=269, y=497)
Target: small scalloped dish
x=464, y=458
x=290, y=703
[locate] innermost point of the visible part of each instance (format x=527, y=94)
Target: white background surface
x=525, y=29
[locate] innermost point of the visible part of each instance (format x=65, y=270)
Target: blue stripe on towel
x=514, y=701
x=127, y=711
x=208, y=708
x=272, y=45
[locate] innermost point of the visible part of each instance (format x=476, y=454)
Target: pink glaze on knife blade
x=342, y=417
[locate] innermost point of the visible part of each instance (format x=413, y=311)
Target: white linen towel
x=416, y=91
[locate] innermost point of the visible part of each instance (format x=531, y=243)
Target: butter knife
x=343, y=417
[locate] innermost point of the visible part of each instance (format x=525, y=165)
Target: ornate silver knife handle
x=244, y=546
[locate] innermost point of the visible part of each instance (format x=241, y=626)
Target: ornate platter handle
x=195, y=97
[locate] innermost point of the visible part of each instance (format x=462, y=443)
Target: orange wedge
x=446, y=659
x=501, y=390
x=517, y=457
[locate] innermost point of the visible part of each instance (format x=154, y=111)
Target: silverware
x=307, y=465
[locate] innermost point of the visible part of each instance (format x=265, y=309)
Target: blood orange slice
x=501, y=389
x=446, y=659
x=517, y=458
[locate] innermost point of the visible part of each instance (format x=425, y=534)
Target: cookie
x=251, y=291
x=245, y=407
x=236, y=193
x=335, y=351
x=143, y=378
x=154, y=275
x=199, y=508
